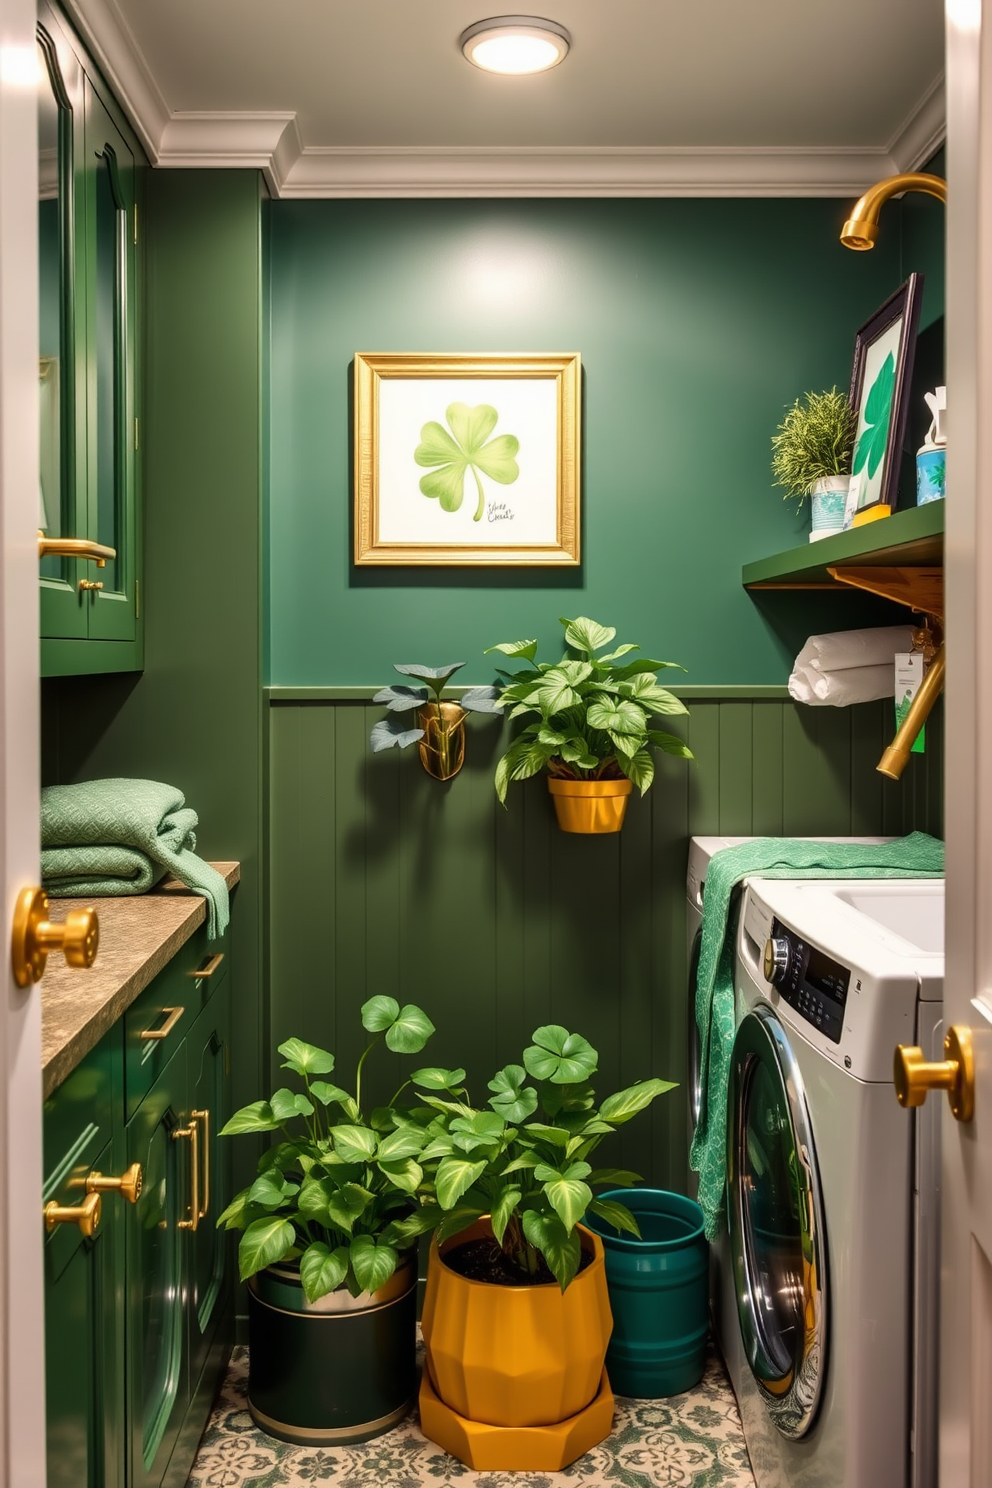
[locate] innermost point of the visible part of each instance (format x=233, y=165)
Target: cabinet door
x=208, y=1054
x=110, y=361
x=84, y=1384
x=157, y=1289
x=61, y=324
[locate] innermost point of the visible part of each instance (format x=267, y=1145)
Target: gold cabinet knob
x=85, y=586
x=955, y=1073
x=128, y=1185
x=86, y=1215
x=77, y=937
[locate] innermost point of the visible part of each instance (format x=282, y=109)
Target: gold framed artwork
x=467, y=459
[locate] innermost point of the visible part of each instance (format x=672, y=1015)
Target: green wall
x=698, y=322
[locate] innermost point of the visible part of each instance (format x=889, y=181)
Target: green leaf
x=872, y=444
x=615, y=1177
x=567, y=1193
x=562, y=1250
x=619, y=1108
x=525, y=650
x=504, y=1206
x=435, y=1078
x=420, y=1222
x=393, y=733
x=459, y=1219
x=465, y=449
x=454, y=1177
x=559, y=1056
x=617, y=1215
x=287, y=1103
x=372, y=1264
x=401, y=699
x=379, y=1013
x=586, y=635
x=346, y=1204
x=669, y=744
x=556, y=1135
x=254, y=1118
x=271, y=1189
x=410, y=1030
x=639, y=768
x=322, y=1270
x=481, y=700
x=313, y=1198
x=407, y=1142
x=404, y=1174
x=645, y=690
x=264, y=1242
x=327, y=1094
x=620, y=717
x=512, y=1101
x=233, y=1216
x=429, y=674
x=620, y=651
x=519, y=1164
x=353, y=1144
x=305, y=1059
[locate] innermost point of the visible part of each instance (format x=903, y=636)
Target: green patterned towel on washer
x=105, y=838
x=915, y=856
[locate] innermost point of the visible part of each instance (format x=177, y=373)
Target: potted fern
x=590, y=724
x=811, y=456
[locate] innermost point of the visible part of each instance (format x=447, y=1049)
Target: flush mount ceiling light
x=515, y=44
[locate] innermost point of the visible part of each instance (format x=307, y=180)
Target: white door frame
x=22, y=1378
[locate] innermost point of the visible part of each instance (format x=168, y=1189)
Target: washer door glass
x=776, y=1223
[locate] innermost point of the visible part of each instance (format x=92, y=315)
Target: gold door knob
x=86, y=1215
x=955, y=1073
x=128, y=1185
x=77, y=937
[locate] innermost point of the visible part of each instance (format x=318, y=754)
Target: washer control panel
x=811, y=983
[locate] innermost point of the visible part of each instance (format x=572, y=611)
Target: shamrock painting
x=462, y=447
x=467, y=458
x=871, y=446
x=883, y=369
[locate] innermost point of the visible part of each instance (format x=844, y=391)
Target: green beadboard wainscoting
x=385, y=881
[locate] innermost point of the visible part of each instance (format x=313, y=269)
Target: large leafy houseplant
x=341, y=1192
x=524, y=1161
x=590, y=713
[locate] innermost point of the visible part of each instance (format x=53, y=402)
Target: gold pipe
x=896, y=757
x=861, y=228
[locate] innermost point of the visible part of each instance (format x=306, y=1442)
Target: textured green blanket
x=915, y=856
x=112, y=837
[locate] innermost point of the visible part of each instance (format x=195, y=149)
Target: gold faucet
x=860, y=232
x=861, y=228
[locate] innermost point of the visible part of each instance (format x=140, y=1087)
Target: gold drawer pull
x=128, y=1185
x=203, y=972
x=86, y=586
x=86, y=1215
x=204, y=1116
x=192, y=1134
x=75, y=547
x=175, y=1013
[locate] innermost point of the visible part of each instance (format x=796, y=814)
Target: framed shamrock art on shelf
x=467, y=458
x=880, y=384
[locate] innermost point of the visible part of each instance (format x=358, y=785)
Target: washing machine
x=833, y=1188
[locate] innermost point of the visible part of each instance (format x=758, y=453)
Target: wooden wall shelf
x=912, y=539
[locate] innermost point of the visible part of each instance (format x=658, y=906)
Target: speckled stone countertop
x=138, y=936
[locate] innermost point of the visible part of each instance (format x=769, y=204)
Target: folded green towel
x=915, y=856
x=112, y=837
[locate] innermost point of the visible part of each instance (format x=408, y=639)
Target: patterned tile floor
x=688, y=1441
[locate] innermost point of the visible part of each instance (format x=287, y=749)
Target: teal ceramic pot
x=827, y=501
x=930, y=476
x=339, y=1370
x=659, y=1293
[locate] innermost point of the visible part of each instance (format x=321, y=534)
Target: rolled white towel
x=860, y=684
x=840, y=650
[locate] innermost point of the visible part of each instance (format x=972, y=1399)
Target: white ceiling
x=374, y=98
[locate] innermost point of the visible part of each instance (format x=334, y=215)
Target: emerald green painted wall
x=384, y=880
x=698, y=322
x=193, y=717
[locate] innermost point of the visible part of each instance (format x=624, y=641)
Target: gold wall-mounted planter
x=442, y=749
x=590, y=805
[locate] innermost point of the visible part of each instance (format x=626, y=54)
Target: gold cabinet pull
x=175, y=1013
x=128, y=1185
x=86, y=1215
x=204, y=1116
x=33, y=937
x=203, y=972
x=192, y=1134
x=75, y=547
x=86, y=585
x=955, y=1073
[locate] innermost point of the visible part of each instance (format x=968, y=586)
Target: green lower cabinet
x=208, y=1056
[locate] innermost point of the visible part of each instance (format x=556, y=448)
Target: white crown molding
x=924, y=130
x=269, y=142
x=119, y=57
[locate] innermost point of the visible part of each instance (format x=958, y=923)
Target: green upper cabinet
x=89, y=179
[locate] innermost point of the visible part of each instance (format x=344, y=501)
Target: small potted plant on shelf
x=590, y=726
x=811, y=456
x=516, y=1318
x=328, y=1244
x=440, y=728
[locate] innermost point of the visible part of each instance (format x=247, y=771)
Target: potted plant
x=811, y=456
x=590, y=727
x=328, y=1244
x=516, y=1317
x=440, y=730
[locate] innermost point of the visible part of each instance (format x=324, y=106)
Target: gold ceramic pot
x=442, y=749
x=590, y=805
